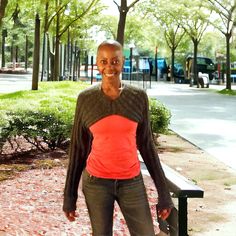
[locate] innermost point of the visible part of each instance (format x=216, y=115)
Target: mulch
x=31, y=204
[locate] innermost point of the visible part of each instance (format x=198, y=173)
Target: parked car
x=205, y=66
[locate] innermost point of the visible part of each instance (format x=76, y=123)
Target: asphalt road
x=13, y=82
x=202, y=116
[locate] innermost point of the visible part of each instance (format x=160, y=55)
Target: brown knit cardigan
x=93, y=105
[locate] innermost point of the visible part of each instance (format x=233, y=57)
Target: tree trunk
x=17, y=54
x=3, y=5
x=26, y=52
x=172, y=64
x=57, y=60
x=52, y=62
x=44, y=40
x=228, y=73
x=36, y=57
x=4, y=35
x=121, y=25
x=13, y=56
x=57, y=49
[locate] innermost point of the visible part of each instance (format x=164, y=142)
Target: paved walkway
x=202, y=116
x=15, y=82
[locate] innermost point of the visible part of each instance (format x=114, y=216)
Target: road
x=202, y=116
x=13, y=82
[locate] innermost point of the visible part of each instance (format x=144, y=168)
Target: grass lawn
x=48, y=91
x=228, y=92
x=50, y=95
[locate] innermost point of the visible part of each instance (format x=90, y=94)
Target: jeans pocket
x=87, y=178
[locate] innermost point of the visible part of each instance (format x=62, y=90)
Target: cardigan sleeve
x=79, y=149
x=151, y=159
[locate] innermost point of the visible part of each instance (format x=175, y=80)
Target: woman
x=111, y=123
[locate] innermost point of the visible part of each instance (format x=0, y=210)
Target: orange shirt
x=114, y=151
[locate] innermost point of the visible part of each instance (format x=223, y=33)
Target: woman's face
x=110, y=62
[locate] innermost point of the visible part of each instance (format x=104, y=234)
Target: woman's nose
x=110, y=65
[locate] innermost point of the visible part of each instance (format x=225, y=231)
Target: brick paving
x=31, y=204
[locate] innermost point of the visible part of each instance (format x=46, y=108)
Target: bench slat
x=181, y=186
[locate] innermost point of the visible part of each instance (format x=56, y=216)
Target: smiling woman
x=111, y=124
x=110, y=61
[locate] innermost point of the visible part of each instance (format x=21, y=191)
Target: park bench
x=181, y=188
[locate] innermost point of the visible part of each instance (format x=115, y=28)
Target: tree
x=3, y=5
x=18, y=32
x=173, y=32
x=173, y=35
x=108, y=24
x=194, y=20
x=123, y=10
x=139, y=30
x=212, y=43
x=226, y=10
x=62, y=23
x=35, y=75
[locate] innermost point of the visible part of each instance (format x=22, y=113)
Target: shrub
x=159, y=117
x=42, y=118
x=37, y=128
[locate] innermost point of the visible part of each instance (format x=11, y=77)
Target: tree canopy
x=178, y=28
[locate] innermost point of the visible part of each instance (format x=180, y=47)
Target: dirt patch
x=215, y=214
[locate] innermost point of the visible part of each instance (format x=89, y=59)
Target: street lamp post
x=156, y=64
x=131, y=46
x=131, y=57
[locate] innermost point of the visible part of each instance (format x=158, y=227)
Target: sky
x=112, y=8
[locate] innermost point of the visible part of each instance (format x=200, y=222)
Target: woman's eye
x=115, y=62
x=103, y=62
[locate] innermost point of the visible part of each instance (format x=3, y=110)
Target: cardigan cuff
x=69, y=204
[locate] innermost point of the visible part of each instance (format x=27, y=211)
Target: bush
x=42, y=129
x=43, y=118
x=159, y=117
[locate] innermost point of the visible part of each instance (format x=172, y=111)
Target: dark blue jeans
x=101, y=194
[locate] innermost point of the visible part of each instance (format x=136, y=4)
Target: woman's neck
x=112, y=84
x=111, y=89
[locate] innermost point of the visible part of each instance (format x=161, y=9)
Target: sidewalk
x=215, y=214
x=15, y=82
x=202, y=116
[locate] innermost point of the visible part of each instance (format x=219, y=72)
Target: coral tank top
x=114, y=152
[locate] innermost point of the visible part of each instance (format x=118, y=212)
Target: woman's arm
x=79, y=148
x=151, y=159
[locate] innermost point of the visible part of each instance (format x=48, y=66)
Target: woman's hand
x=71, y=215
x=164, y=213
